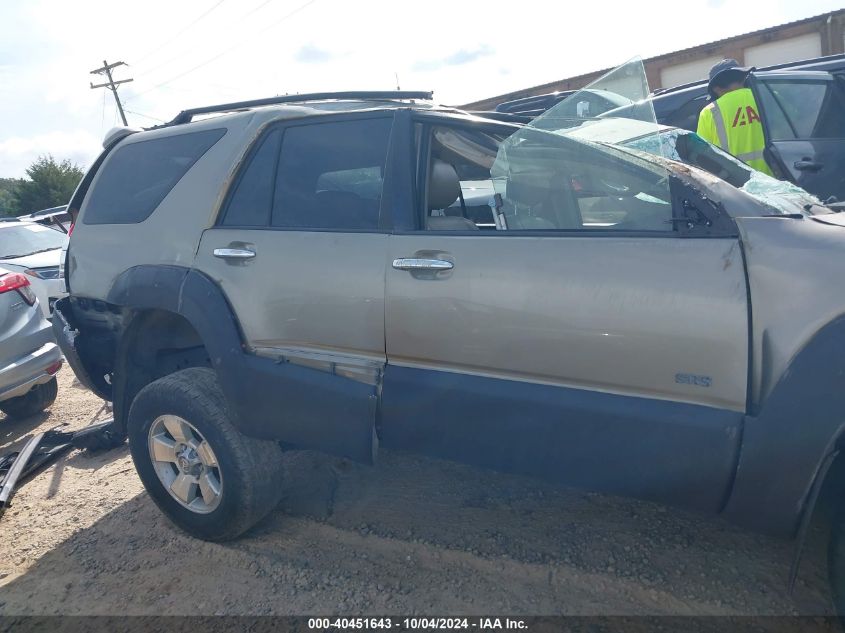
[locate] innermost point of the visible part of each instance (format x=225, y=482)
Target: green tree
x=50, y=184
x=8, y=203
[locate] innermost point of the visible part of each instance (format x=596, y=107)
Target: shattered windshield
x=688, y=147
x=554, y=174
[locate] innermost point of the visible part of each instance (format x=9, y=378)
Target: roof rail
x=187, y=115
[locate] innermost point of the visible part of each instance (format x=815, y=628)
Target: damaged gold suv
x=343, y=271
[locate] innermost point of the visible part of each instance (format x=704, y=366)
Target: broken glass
x=561, y=171
x=688, y=147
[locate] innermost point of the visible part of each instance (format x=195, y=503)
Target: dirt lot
x=408, y=536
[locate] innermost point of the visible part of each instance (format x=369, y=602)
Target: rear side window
x=316, y=176
x=803, y=109
x=330, y=175
x=139, y=176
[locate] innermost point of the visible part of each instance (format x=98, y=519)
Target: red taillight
x=70, y=230
x=54, y=368
x=19, y=282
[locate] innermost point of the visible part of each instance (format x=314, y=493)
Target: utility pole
x=111, y=84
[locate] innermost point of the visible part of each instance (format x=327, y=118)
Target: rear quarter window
x=140, y=175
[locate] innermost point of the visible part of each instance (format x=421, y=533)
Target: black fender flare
x=267, y=399
x=785, y=446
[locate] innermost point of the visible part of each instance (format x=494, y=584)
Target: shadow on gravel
x=12, y=431
x=417, y=535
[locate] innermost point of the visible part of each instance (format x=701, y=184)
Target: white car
x=35, y=250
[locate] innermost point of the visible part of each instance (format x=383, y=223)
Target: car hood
x=836, y=219
x=37, y=260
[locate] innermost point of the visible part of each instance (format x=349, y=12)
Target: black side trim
x=280, y=401
x=676, y=453
x=784, y=446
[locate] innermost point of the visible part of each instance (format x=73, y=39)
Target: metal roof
x=550, y=86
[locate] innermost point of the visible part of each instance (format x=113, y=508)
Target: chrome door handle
x=414, y=263
x=234, y=253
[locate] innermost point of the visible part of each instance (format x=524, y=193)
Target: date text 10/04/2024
x=417, y=623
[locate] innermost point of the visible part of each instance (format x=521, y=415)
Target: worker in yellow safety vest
x=732, y=119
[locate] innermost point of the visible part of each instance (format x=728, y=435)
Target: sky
x=188, y=53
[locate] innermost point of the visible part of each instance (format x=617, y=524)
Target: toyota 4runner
x=343, y=271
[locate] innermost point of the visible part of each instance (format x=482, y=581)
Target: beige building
x=803, y=39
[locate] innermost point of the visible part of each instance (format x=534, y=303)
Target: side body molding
x=785, y=445
x=268, y=399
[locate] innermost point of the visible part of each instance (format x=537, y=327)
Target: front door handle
x=234, y=253
x=416, y=263
x=807, y=164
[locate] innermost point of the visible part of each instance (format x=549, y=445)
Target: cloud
x=310, y=54
x=458, y=58
x=18, y=152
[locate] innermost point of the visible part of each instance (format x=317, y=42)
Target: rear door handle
x=234, y=253
x=416, y=263
x=807, y=164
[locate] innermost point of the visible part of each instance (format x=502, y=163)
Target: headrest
x=444, y=186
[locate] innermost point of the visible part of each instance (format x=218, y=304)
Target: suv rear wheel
x=209, y=479
x=35, y=401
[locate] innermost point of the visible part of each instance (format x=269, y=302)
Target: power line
x=111, y=84
x=147, y=116
x=228, y=50
x=179, y=34
x=170, y=60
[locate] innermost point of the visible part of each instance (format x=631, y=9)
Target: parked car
x=292, y=272
x=29, y=356
x=35, y=250
x=57, y=217
x=591, y=103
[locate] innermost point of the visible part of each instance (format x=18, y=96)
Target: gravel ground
x=410, y=535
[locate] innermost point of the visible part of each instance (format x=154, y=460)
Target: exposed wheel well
x=154, y=343
x=823, y=504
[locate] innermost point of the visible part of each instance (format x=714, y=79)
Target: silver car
x=35, y=250
x=29, y=356
x=344, y=272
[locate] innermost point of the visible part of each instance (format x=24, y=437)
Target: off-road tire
x=251, y=469
x=35, y=401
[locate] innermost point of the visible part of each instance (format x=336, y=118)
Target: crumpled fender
x=783, y=447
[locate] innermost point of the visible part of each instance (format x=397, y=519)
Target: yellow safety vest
x=733, y=123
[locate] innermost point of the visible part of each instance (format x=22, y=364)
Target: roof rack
x=187, y=115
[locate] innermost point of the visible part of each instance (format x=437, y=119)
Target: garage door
x=788, y=50
x=686, y=73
